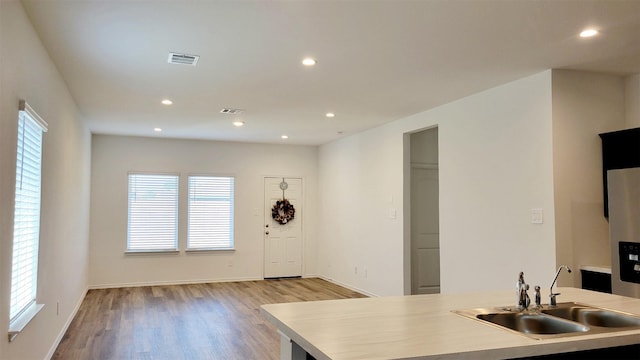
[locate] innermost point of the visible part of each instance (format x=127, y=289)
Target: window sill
x=210, y=250
x=18, y=325
x=152, y=252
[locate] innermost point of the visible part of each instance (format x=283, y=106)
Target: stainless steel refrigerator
x=624, y=230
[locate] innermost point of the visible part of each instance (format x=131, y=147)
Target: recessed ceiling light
x=330, y=115
x=284, y=137
x=166, y=102
x=238, y=123
x=157, y=129
x=588, y=33
x=308, y=62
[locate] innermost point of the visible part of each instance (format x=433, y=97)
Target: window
x=153, y=213
x=210, y=219
x=26, y=220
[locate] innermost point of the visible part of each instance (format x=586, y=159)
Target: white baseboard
x=72, y=316
x=166, y=283
x=353, y=288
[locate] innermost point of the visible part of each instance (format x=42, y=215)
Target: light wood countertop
x=596, y=268
x=423, y=326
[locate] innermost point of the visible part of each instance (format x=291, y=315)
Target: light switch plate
x=537, y=216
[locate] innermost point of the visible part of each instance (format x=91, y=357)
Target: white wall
x=114, y=156
x=632, y=101
x=496, y=163
x=360, y=181
x=28, y=73
x=584, y=105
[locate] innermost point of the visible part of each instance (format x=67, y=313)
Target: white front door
x=283, y=242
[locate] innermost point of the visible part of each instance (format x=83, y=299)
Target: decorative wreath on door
x=283, y=211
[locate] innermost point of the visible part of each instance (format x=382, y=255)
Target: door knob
x=266, y=225
x=267, y=233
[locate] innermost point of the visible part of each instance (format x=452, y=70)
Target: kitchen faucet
x=523, y=297
x=553, y=295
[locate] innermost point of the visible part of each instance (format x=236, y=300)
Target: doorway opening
x=424, y=240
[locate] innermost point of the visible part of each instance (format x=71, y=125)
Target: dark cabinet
x=596, y=281
x=620, y=150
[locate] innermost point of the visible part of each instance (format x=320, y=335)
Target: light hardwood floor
x=198, y=321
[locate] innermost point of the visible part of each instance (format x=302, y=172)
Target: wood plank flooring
x=197, y=321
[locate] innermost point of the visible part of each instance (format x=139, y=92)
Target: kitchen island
x=424, y=327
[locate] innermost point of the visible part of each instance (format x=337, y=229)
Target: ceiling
x=377, y=61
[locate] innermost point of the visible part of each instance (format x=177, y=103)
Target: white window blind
x=153, y=213
x=210, y=218
x=26, y=221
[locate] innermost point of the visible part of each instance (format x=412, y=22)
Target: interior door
x=283, y=242
x=425, y=237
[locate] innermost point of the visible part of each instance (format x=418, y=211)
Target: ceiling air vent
x=231, y=111
x=183, y=59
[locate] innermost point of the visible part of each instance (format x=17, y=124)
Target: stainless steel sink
x=592, y=316
x=533, y=323
x=563, y=320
